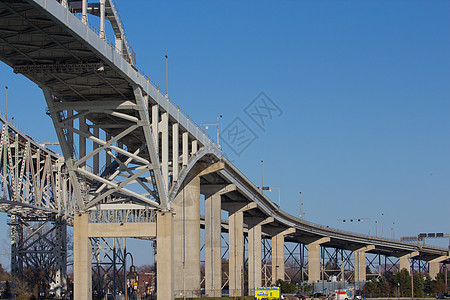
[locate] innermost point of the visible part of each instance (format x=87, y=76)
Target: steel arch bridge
x=134, y=165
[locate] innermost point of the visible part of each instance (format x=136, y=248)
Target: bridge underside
x=135, y=166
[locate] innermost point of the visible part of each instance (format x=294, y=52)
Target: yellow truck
x=267, y=292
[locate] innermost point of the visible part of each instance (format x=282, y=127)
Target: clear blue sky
x=363, y=86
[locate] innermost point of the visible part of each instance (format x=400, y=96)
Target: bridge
x=134, y=165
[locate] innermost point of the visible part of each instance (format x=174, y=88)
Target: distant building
x=145, y=283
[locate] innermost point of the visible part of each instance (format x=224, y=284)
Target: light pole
x=301, y=206
x=125, y=270
x=167, y=78
x=279, y=195
x=376, y=228
x=218, y=130
x=262, y=176
x=382, y=225
x=393, y=230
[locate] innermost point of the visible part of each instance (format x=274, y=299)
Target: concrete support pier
x=164, y=255
x=433, y=266
x=314, y=259
x=404, y=261
x=278, y=255
x=213, y=249
x=236, y=253
x=254, y=258
x=82, y=269
x=360, y=262
x=186, y=231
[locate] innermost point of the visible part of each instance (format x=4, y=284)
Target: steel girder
x=31, y=176
x=108, y=266
x=39, y=250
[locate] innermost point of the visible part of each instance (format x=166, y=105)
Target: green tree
x=404, y=279
x=286, y=287
x=428, y=287
x=419, y=284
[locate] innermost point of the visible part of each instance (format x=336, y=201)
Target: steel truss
x=111, y=167
x=419, y=265
x=295, y=264
x=108, y=266
x=337, y=262
x=39, y=253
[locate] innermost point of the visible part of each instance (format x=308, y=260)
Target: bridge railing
x=141, y=72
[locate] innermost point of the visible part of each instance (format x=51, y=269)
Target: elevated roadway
x=127, y=147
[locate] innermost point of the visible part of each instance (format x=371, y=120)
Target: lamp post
x=279, y=195
x=125, y=269
x=167, y=78
x=382, y=225
x=218, y=130
x=376, y=228
x=262, y=176
x=301, y=206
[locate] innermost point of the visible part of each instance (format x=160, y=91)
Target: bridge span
x=134, y=165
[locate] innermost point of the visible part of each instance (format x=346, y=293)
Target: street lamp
x=132, y=270
x=218, y=126
x=301, y=206
x=279, y=195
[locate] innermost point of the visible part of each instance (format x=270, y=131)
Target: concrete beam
x=216, y=167
x=314, y=259
x=221, y=189
x=135, y=230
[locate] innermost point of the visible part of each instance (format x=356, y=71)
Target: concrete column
x=236, y=253
x=404, y=261
x=278, y=254
x=175, y=151
x=102, y=19
x=84, y=16
x=433, y=266
x=82, y=269
x=164, y=255
x=194, y=146
x=213, y=250
x=186, y=206
x=277, y=257
x=254, y=258
x=185, y=146
x=165, y=150
x=314, y=259
x=360, y=262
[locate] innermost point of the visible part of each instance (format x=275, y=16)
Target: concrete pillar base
x=164, y=255
x=82, y=269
